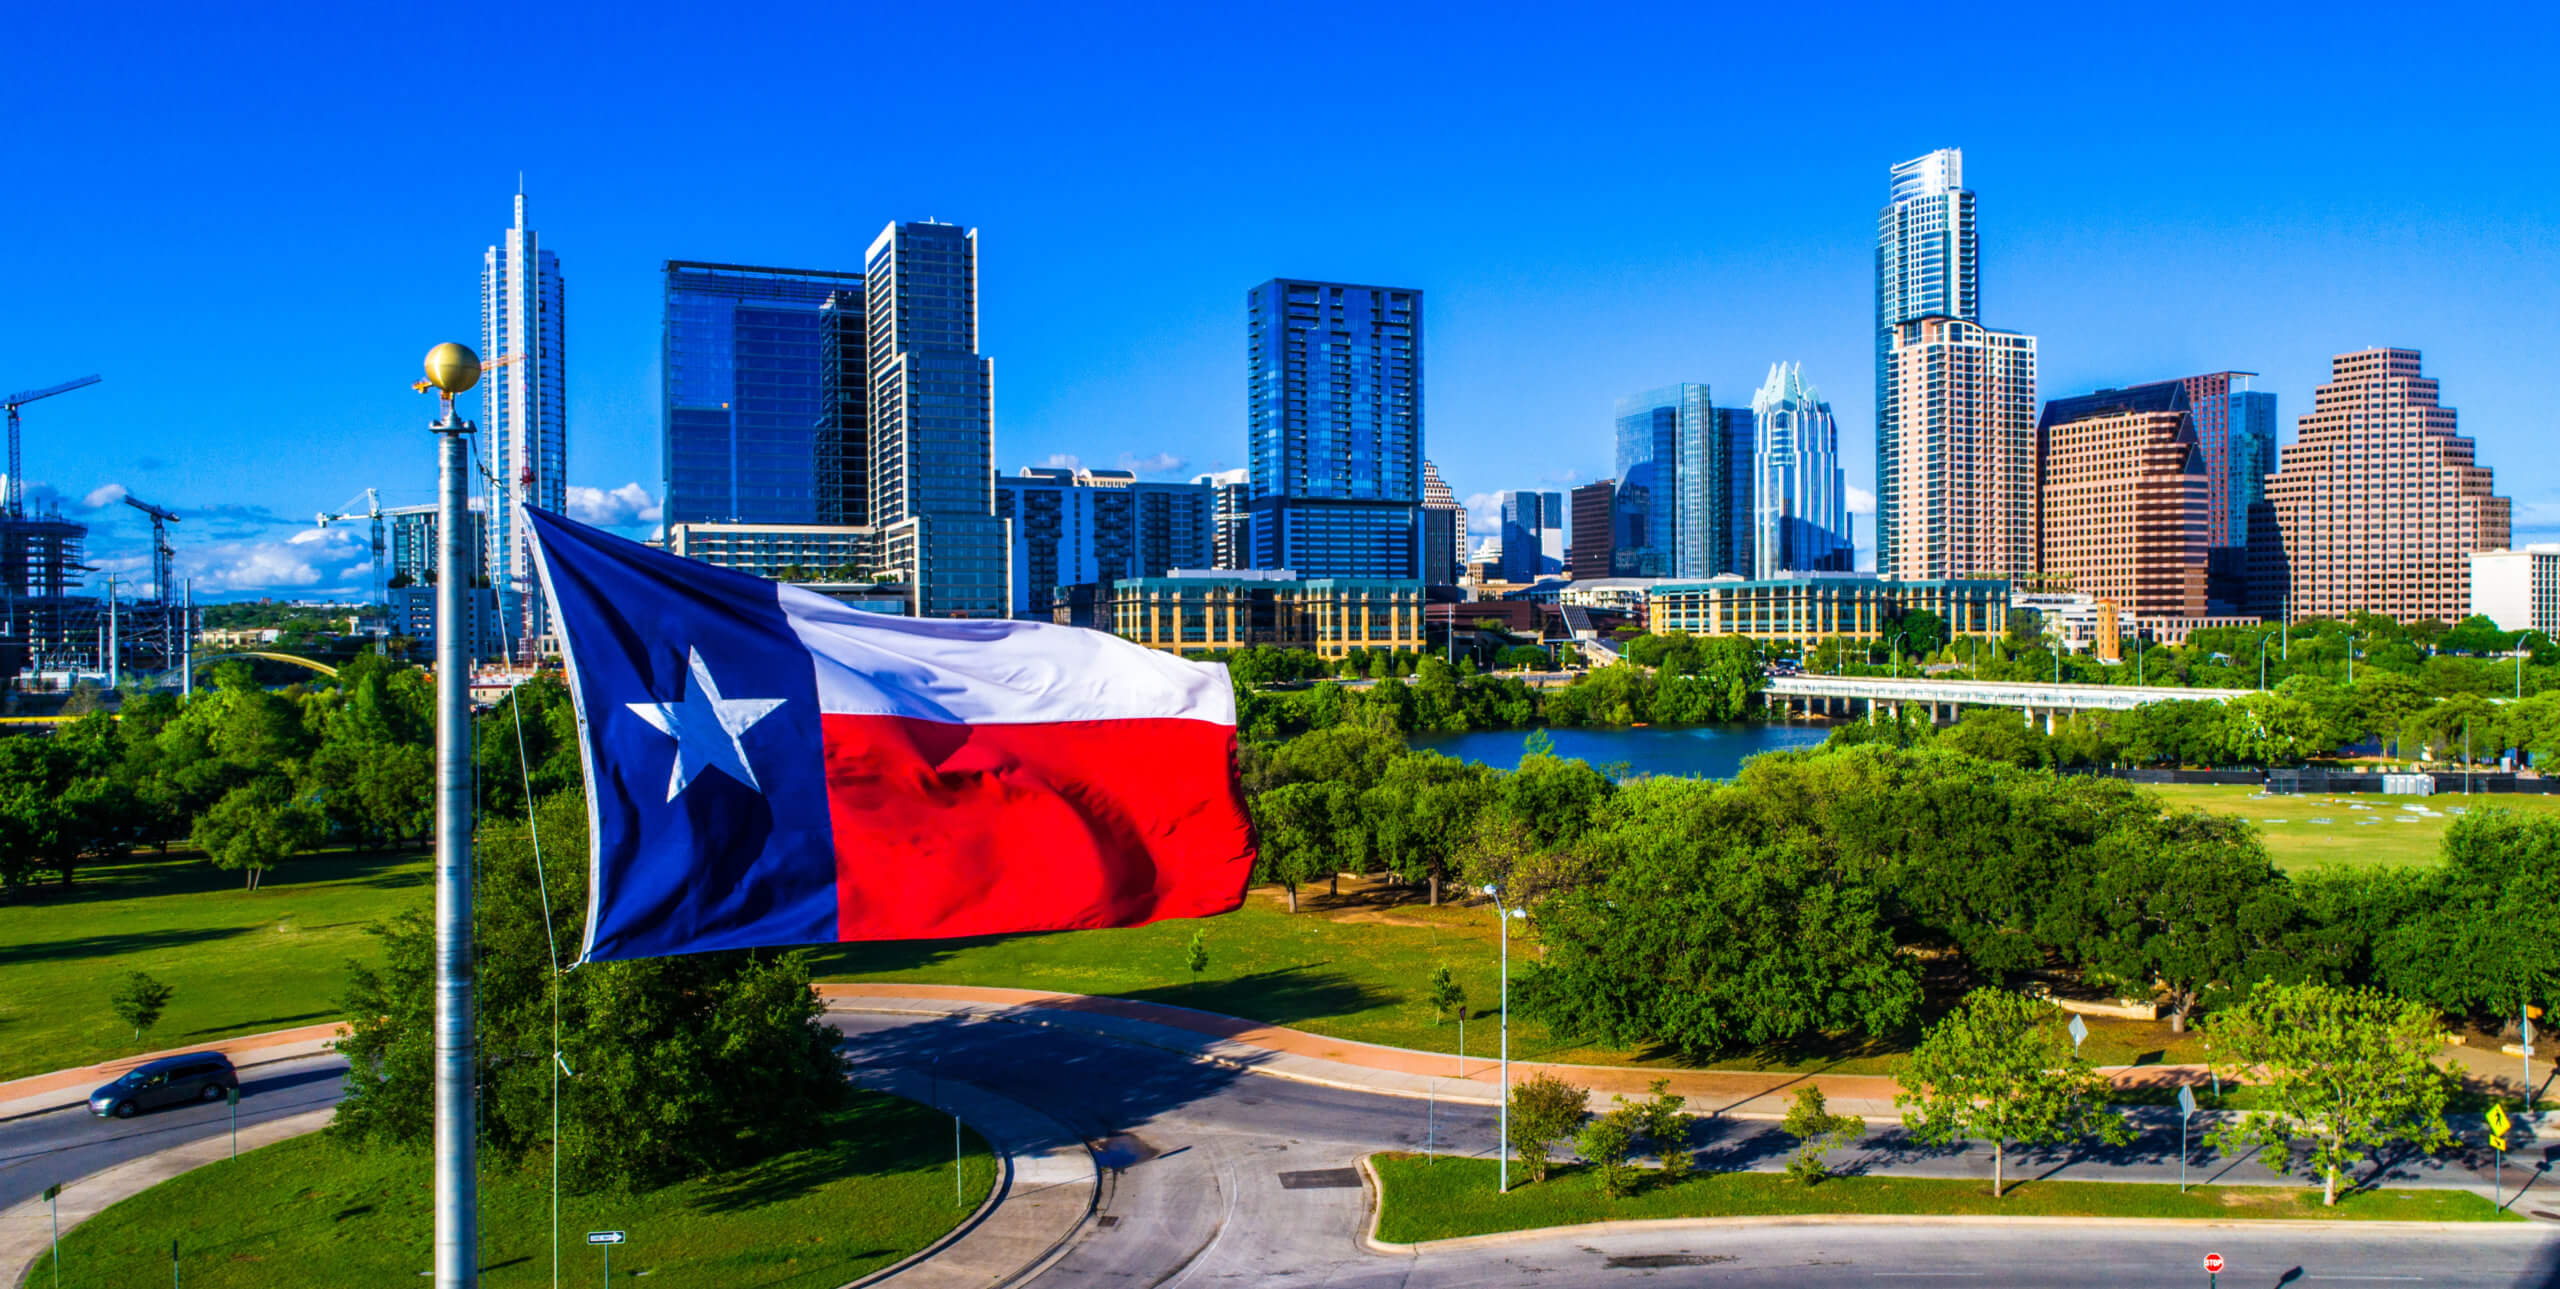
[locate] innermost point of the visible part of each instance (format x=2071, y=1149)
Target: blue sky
x=254, y=226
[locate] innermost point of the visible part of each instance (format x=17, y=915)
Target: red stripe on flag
x=950, y=830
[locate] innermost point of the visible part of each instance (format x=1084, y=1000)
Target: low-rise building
x=2518, y=589
x=1193, y=609
x=1820, y=605
x=767, y=550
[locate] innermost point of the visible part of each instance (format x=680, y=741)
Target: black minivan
x=171, y=1080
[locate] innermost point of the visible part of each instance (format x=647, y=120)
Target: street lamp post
x=2262, y=662
x=1502, y=1148
x=1896, y=650
x=2351, y=657
x=451, y=369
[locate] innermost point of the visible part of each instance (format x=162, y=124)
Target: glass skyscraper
x=746, y=390
x=1928, y=264
x=524, y=417
x=1532, y=535
x=1334, y=428
x=1683, y=502
x=931, y=408
x=1801, y=509
x=2236, y=430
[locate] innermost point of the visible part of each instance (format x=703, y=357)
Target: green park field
x=242, y=962
x=1424, y=1199
x=306, y=1212
x=2358, y=831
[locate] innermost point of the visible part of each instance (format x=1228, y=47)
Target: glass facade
x=1081, y=527
x=1801, y=515
x=1647, y=505
x=2253, y=456
x=932, y=413
x=524, y=417
x=1334, y=428
x=1532, y=535
x=747, y=391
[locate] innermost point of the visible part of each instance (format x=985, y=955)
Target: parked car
x=171, y=1080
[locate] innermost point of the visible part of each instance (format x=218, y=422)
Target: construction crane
x=17, y=499
x=372, y=500
x=160, y=550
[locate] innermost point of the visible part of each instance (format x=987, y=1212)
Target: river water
x=1709, y=751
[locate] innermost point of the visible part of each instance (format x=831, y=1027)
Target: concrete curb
x=26, y=1234
x=1377, y=1212
x=1047, y=1189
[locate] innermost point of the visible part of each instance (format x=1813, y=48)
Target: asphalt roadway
x=1216, y=1177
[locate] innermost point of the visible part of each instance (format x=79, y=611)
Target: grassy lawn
x=1437, y=1200
x=2382, y=834
x=241, y=962
x=307, y=1212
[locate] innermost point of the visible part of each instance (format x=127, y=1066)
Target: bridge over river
x=1858, y=695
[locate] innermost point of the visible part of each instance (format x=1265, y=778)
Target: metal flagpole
x=452, y=369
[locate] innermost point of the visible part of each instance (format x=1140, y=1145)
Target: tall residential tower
x=525, y=417
x=1333, y=423
x=749, y=406
x=931, y=408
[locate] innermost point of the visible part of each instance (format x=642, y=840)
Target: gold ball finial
x=452, y=368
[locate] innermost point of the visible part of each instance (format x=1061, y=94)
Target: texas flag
x=767, y=766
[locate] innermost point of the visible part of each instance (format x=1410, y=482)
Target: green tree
x=1196, y=954
x=1544, y=1110
x=2482, y=934
x=1447, y=996
x=2189, y=900
x=140, y=1001
x=1998, y=1069
x=684, y=1065
x=1659, y=1121
x=2339, y=1070
x=1294, y=824
x=1605, y=1142
x=255, y=827
x=1712, y=927
x=1818, y=1132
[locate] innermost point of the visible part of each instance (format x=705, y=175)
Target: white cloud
x=1861, y=501
x=1154, y=463
x=103, y=496
x=1063, y=461
x=336, y=559
x=621, y=507
x=1484, y=512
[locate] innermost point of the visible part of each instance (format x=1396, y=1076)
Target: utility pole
x=451, y=369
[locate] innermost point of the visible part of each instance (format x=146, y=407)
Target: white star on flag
x=706, y=727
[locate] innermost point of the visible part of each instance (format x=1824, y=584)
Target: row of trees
x=1802, y=900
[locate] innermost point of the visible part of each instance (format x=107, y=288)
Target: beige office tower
x=2125, y=506
x=1959, y=420
x=2377, y=505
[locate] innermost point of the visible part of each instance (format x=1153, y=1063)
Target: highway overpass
x=1859, y=695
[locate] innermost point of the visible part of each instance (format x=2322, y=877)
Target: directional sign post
x=2498, y=1125
x=2213, y=1265
x=2186, y=1112
x=605, y=1240
x=2079, y=1032
x=53, y=1210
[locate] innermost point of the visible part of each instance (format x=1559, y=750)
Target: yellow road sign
x=2498, y=1141
x=2498, y=1121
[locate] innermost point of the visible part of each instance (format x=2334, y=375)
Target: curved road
x=1216, y=1177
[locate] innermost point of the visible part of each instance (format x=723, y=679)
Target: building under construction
x=45, y=623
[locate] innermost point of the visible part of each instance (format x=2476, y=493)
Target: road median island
x=310, y=1211
x=1425, y=1201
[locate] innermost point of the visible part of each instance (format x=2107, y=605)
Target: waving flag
x=767, y=766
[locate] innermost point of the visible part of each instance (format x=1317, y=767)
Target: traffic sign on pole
x=2079, y=1033
x=605, y=1237
x=2186, y=1111
x=2213, y=1264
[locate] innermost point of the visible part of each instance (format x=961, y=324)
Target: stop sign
x=2213, y=1263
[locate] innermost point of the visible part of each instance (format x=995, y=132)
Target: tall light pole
x=451, y=369
x=2351, y=657
x=2262, y=662
x=1502, y=1148
x=1896, y=650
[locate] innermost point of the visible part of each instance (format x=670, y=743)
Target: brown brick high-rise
x=2377, y=505
x=2123, y=482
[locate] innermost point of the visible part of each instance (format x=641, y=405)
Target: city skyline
x=1533, y=336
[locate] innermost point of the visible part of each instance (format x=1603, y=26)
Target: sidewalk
x=26, y=1234
x=1362, y=1067
x=38, y=1093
